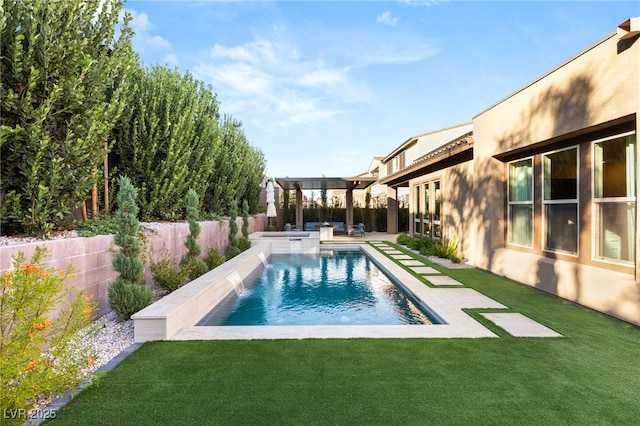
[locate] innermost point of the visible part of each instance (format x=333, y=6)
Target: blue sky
x=323, y=87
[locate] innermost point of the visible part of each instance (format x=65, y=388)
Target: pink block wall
x=91, y=257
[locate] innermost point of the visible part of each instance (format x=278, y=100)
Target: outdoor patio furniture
x=356, y=230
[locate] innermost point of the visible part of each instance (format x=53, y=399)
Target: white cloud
x=280, y=82
x=387, y=19
x=270, y=81
x=242, y=79
x=324, y=77
x=171, y=59
x=146, y=43
x=427, y=3
x=259, y=51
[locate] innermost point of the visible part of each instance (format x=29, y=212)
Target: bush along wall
x=89, y=99
x=173, y=127
x=64, y=84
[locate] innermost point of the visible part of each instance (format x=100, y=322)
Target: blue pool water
x=339, y=288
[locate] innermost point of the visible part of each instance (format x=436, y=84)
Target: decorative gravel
x=61, y=235
x=16, y=240
x=111, y=338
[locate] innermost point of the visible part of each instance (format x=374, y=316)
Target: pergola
x=325, y=183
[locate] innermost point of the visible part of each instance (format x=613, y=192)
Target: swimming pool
x=330, y=288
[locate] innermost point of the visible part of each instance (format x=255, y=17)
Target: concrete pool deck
x=448, y=303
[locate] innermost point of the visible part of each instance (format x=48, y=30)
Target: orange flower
x=7, y=275
x=62, y=272
x=87, y=312
x=41, y=325
x=91, y=361
x=32, y=364
x=7, y=283
x=32, y=335
x=30, y=268
x=89, y=298
x=44, y=274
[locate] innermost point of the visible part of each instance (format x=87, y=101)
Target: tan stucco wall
x=600, y=85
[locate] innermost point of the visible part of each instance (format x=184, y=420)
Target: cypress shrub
x=190, y=261
x=243, y=242
x=128, y=293
x=233, y=248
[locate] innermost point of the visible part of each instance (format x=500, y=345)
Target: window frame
x=598, y=201
x=426, y=223
x=520, y=203
x=544, y=203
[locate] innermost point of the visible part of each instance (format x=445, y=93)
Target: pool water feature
x=330, y=288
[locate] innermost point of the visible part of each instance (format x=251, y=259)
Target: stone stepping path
x=412, y=262
x=519, y=325
x=424, y=270
x=401, y=256
x=442, y=280
x=513, y=323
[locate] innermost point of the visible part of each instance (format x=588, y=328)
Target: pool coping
x=447, y=303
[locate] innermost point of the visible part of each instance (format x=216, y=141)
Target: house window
x=615, y=198
x=521, y=202
x=436, y=230
x=560, y=200
x=417, y=219
x=428, y=224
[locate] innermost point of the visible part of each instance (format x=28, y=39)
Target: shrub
x=101, y=225
x=56, y=108
x=233, y=248
x=194, y=266
x=244, y=244
x=448, y=250
x=213, y=258
x=416, y=243
x=166, y=276
x=125, y=299
x=40, y=349
x=403, y=239
x=129, y=292
x=245, y=219
x=232, y=251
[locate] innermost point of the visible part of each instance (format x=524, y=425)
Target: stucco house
x=541, y=186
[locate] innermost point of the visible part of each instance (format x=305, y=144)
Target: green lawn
x=590, y=376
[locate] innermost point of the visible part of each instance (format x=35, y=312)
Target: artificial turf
x=589, y=376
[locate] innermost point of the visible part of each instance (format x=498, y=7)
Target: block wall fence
x=91, y=257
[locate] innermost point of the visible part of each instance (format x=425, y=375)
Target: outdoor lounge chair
x=356, y=230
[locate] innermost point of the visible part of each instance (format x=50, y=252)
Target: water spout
x=263, y=258
x=295, y=245
x=236, y=281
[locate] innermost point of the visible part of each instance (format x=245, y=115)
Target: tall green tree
x=239, y=170
x=64, y=74
x=167, y=141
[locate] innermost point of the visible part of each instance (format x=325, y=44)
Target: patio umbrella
x=271, y=206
